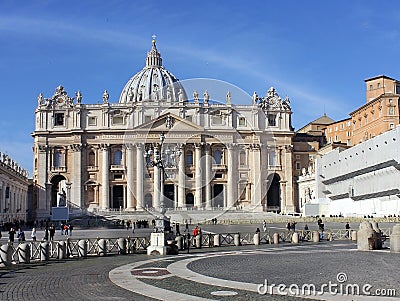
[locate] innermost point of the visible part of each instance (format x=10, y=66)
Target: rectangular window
x=336, y=138
x=391, y=126
x=271, y=119
x=342, y=126
x=117, y=120
x=298, y=167
x=272, y=158
x=379, y=85
x=371, y=87
x=397, y=89
x=391, y=110
x=92, y=120
x=348, y=123
x=217, y=120
x=336, y=128
x=348, y=142
x=59, y=119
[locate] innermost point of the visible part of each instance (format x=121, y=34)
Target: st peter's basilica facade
x=109, y=156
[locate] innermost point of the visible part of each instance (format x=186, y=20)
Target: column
x=208, y=178
x=76, y=187
x=256, y=171
x=232, y=170
x=156, y=185
x=105, y=188
x=284, y=205
x=181, y=177
x=129, y=177
x=139, y=176
x=199, y=178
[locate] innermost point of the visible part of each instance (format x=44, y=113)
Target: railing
x=72, y=248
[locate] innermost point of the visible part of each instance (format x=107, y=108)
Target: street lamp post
x=161, y=158
x=157, y=157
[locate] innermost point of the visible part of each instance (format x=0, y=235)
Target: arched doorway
x=58, y=187
x=189, y=200
x=274, y=193
x=148, y=201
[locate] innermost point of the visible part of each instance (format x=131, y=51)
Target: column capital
x=128, y=146
x=139, y=146
x=76, y=147
x=104, y=146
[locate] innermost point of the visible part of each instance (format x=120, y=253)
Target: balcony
x=58, y=168
x=219, y=167
x=117, y=167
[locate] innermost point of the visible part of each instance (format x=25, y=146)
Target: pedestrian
x=177, y=229
x=62, y=228
x=288, y=226
x=293, y=226
x=52, y=231
x=46, y=233
x=264, y=224
x=186, y=226
x=11, y=235
x=33, y=234
x=195, y=231
x=133, y=227
x=66, y=230
x=258, y=230
x=128, y=224
x=70, y=228
x=347, y=227
x=20, y=235
x=305, y=227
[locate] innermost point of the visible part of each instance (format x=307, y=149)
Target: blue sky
x=316, y=52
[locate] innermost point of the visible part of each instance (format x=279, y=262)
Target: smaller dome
x=153, y=82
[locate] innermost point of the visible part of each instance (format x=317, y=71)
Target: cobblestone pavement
x=228, y=273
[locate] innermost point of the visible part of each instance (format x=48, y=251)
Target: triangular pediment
x=169, y=123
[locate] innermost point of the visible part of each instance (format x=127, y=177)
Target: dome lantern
x=153, y=82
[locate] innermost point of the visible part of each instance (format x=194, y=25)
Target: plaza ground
x=225, y=273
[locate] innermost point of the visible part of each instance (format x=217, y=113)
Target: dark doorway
x=189, y=200
x=55, y=183
x=274, y=193
x=169, y=193
x=218, y=195
x=118, y=197
x=148, y=201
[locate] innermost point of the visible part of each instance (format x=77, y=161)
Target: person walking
x=11, y=235
x=20, y=235
x=70, y=228
x=33, y=234
x=264, y=224
x=133, y=227
x=46, y=234
x=347, y=227
x=52, y=231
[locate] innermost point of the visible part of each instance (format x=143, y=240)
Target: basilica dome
x=153, y=82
